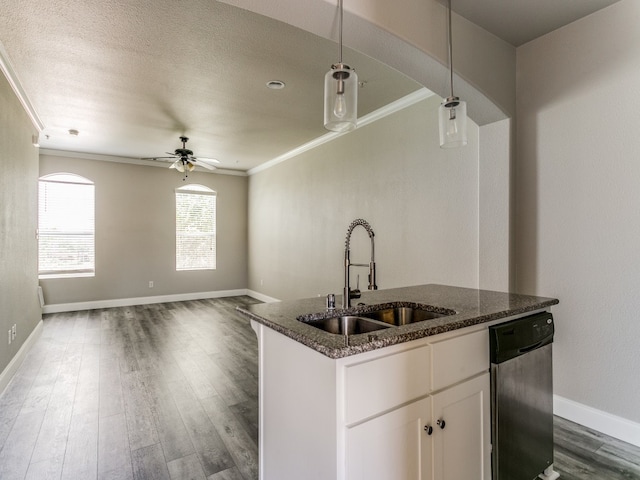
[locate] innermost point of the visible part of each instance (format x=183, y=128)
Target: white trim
x=393, y=107
x=382, y=112
x=131, y=161
x=261, y=297
x=10, y=370
x=259, y=329
x=47, y=276
x=12, y=77
x=128, y=302
x=603, y=422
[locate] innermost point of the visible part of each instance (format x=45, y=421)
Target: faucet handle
x=372, y=276
x=331, y=301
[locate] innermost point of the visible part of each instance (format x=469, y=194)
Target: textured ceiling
x=133, y=76
x=520, y=21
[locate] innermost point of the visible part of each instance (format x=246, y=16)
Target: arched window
x=195, y=228
x=66, y=226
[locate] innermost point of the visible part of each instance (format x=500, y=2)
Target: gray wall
x=18, y=221
x=135, y=233
x=421, y=201
x=579, y=204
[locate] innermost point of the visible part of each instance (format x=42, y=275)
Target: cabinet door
x=462, y=449
x=393, y=446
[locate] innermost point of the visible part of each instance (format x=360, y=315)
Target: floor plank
x=170, y=391
x=16, y=453
x=81, y=455
x=149, y=464
x=114, y=454
x=581, y=453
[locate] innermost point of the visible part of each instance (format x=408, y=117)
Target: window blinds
x=66, y=225
x=195, y=228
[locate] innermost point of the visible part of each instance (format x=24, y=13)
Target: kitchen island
x=405, y=402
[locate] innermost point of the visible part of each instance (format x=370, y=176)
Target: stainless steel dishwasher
x=522, y=398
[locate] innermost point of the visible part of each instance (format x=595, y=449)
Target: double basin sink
x=375, y=317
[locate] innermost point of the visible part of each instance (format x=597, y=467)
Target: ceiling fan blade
x=207, y=160
x=157, y=158
x=199, y=163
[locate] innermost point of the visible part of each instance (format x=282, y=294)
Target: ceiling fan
x=185, y=161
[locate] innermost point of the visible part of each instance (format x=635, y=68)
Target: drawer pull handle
x=441, y=423
x=428, y=429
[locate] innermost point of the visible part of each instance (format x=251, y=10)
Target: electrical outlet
x=9, y=337
x=151, y=284
x=13, y=332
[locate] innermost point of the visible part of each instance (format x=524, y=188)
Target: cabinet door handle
x=428, y=429
x=441, y=423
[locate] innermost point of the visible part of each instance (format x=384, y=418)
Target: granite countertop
x=472, y=307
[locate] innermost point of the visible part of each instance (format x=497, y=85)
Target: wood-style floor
x=166, y=391
x=169, y=391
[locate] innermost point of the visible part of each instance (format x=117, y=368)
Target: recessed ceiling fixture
x=452, y=113
x=275, y=84
x=340, y=93
x=74, y=132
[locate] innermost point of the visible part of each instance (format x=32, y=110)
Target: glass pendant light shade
x=340, y=98
x=452, y=114
x=453, y=123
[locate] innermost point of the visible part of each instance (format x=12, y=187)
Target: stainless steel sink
x=348, y=325
x=370, y=318
x=403, y=315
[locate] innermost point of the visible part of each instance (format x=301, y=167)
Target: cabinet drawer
x=383, y=383
x=458, y=358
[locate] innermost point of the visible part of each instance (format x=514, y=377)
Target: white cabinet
x=445, y=436
x=363, y=416
x=462, y=446
x=392, y=446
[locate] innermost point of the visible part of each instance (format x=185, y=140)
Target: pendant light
x=453, y=111
x=340, y=93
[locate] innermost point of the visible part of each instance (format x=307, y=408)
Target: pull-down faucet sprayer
x=348, y=294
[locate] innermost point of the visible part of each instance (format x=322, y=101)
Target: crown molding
x=12, y=77
x=393, y=107
x=131, y=161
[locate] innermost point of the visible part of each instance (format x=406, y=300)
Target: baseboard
x=603, y=422
x=261, y=297
x=128, y=302
x=8, y=373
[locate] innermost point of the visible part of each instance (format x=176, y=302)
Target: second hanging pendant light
x=340, y=93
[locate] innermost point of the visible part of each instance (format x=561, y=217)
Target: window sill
x=47, y=276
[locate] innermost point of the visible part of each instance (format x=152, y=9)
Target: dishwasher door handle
x=529, y=348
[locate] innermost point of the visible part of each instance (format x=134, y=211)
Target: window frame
x=203, y=191
x=70, y=179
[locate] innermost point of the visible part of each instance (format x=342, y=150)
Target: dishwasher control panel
x=517, y=337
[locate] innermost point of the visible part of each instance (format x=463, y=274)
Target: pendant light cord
x=341, y=20
x=450, y=45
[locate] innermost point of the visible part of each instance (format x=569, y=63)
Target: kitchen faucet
x=348, y=294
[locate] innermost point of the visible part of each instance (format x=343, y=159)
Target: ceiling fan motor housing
x=183, y=152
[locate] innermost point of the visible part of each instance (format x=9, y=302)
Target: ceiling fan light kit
x=185, y=162
x=340, y=93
